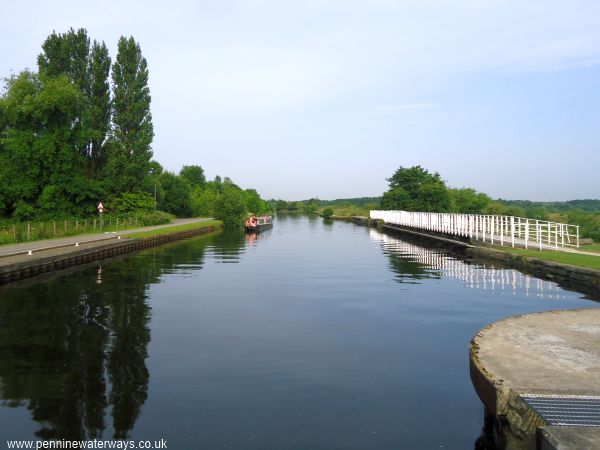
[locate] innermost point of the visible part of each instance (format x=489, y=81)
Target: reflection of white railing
x=503, y=230
x=472, y=275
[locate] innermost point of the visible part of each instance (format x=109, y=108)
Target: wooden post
x=28, y=230
x=53, y=227
x=94, y=224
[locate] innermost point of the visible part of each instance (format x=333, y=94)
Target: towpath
x=51, y=244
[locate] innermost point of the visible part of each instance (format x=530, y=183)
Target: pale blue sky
x=328, y=97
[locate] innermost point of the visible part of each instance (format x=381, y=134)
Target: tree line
x=417, y=189
x=79, y=130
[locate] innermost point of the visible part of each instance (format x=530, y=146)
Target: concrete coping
x=549, y=353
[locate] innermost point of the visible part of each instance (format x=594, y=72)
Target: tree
x=177, y=195
x=194, y=174
x=100, y=109
x=204, y=200
x=327, y=213
x=230, y=207
x=396, y=198
x=281, y=205
x=254, y=203
x=469, y=201
x=311, y=206
x=130, y=151
x=416, y=189
x=412, y=178
x=38, y=160
x=69, y=54
x=433, y=197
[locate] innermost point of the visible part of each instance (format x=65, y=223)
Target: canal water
x=312, y=335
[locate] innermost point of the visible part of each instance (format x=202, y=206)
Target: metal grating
x=580, y=410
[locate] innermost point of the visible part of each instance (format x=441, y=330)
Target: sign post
x=100, y=210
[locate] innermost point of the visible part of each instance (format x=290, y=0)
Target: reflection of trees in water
x=74, y=347
x=229, y=244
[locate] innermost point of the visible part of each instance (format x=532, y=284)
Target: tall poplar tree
x=100, y=108
x=88, y=67
x=130, y=150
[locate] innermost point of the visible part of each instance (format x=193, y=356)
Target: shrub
x=327, y=213
x=150, y=218
x=23, y=212
x=131, y=203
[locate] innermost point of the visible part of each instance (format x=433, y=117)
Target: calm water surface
x=310, y=336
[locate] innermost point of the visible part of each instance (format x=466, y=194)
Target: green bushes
x=151, y=218
x=230, y=207
x=129, y=202
x=327, y=213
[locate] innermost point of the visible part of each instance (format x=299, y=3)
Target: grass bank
x=574, y=259
x=16, y=232
x=590, y=248
x=176, y=229
x=347, y=211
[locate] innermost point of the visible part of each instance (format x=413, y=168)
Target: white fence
x=502, y=230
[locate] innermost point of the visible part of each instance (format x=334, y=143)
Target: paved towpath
x=49, y=244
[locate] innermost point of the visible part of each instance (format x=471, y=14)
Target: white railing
x=502, y=230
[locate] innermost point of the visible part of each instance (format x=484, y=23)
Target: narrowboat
x=257, y=224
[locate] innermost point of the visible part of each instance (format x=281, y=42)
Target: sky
x=327, y=98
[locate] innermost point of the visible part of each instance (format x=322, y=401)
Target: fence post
x=526, y=232
x=577, y=236
x=512, y=230
x=54, y=227
x=28, y=230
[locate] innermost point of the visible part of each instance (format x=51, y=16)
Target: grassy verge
x=574, y=259
x=175, y=229
x=15, y=232
x=347, y=211
x=590, y=248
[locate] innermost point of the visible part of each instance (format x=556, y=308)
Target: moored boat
x=256, y=224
